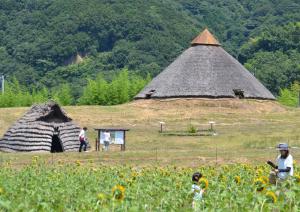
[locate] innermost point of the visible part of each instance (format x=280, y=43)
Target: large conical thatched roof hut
x=44, y=128
x=205, y=70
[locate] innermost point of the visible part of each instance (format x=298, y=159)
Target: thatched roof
x=34, y=131
x=205, y=70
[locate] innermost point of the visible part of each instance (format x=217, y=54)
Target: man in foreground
x=284, y=167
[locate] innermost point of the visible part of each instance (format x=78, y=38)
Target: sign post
x=117, y=137
x=161, y=126
x=212, y=123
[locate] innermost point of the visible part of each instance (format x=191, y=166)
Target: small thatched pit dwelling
x=44, y=128
x=205, y=70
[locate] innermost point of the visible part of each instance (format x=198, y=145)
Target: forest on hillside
x=41, y=39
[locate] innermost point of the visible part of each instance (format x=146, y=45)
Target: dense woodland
x=39, y=40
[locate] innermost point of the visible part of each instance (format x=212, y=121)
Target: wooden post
x=212, y=126
x=124, y=139
x=98, y=140
x=97, y=144
x=161, y=126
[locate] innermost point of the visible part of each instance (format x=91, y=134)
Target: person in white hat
x=284, y=167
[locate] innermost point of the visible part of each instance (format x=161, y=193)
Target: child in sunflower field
x=197, y=191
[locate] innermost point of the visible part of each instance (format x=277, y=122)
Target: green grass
x=247, y=131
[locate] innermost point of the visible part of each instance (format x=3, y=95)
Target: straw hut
x=44, y=128
x=205, y=70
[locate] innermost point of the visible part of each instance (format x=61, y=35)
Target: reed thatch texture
x=34, y=131
x=205, y=70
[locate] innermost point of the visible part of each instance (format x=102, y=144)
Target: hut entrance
x=239, y=93
x=149, y=94
x=56, y=144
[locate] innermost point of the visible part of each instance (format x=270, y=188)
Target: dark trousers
x=82, y=143
x=106, y=145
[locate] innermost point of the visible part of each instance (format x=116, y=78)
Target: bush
x=290, y=96
x=192, y=129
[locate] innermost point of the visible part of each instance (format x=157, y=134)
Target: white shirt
x=198, y=192
x=283, y=164
x=106, y=136
x=82, y=134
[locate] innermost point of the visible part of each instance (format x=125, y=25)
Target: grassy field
x=247, y=131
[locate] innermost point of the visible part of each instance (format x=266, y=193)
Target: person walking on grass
x=83, y=139
x=197, y=191
x=284, y=165
x=106, y=140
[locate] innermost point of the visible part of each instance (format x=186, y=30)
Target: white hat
x=283, y=146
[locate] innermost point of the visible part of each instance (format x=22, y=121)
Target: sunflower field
x=78, y=186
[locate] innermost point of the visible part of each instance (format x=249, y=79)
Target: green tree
x=273, y=56
x=290, y=96
x=95, y=92
x=122, y=86
x=40, y=96
x=275, y=69
x=15, y=95
x=40, y=39
x=63, y=95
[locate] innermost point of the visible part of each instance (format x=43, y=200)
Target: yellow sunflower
x=78, y=163
x=259, y=184
x=222, y=177
x=271, y=196
x=264, y=179
x=203, y=182
x=237, y=179
x=259, y=172
x=35, y=157
x=118, y=192
x=134, y=175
